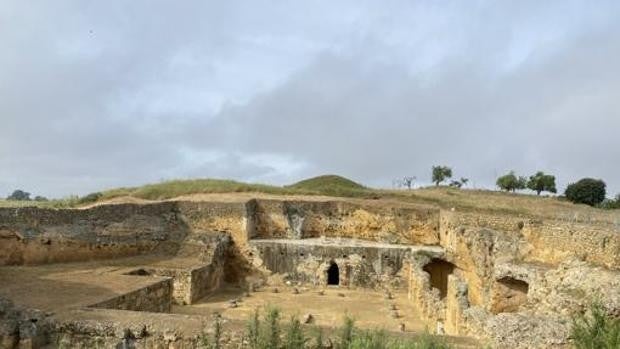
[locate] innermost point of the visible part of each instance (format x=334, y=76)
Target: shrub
x=318, y=339
x=267, y=336
x=611, y=204
x=294, y=335
x=346, y=332
x=586, y=191
x=253, y=330
x=92, y=197
x=214, y=341
x=596, y=329
x=370, y=340
x=271, y=335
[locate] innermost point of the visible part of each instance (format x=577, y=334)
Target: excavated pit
x=156, y=273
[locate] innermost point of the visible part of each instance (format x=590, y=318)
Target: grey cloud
x=94, y=95
x=557, y=111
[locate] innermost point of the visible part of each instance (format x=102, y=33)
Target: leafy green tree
x=542, y=182
x=40, y=198
x=587, y=191
x=441, y=173
x=19, y=195
x=510, y=182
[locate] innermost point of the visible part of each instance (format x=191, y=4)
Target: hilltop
x=334, y=186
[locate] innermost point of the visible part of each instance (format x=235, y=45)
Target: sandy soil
x=369, y=308
x=55, y=287
x=67, y=289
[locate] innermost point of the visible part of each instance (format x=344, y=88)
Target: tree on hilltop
x=459, y=183
x=408, y=181
x=441, y=173
x=19, y=195
x=587, y=191
x=510, y=182
x=542, y=182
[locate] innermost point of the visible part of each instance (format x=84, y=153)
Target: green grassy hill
x=324, y=185
x=331, y=185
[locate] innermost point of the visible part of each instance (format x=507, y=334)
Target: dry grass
x=57, y=203
x=506, y=203
x=323, y=187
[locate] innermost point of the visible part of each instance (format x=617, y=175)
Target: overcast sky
x=99, y=94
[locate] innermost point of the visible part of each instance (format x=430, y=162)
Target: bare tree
x=397, y=183
x=408, y=181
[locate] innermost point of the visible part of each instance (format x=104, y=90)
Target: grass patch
x=317, y=183
x=174, y=188
x=68, y=202
x=268, y=332
x=323, y=185
x=596, y=329
x=465, y=200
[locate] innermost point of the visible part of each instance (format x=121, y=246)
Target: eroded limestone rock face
x=516, y=330
x=299, y=219
x=357, y=263
x=510, y=280
x=523, y=279
x=21, y=327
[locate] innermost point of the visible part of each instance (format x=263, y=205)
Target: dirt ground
x=54, y=287
x=370, y=309
x=66, y=289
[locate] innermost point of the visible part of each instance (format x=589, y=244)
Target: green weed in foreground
x=266, y=333
x=596, y=329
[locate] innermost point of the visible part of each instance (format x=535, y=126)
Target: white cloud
x=114, y=93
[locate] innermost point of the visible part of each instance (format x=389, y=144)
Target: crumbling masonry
x=510, y=281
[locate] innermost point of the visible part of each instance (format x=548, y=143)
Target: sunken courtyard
x=152, y=275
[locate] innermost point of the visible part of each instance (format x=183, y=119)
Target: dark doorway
x=333, y=274
x=439, y=270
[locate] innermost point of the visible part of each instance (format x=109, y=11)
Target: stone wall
x=216, y=217
x=101, y=328
x=35, y=235
x=156, y=298
x=214, y=251
x=554, y=242
x=207, y=254
x=308, y=260
x=514, y=273
x=21, y=327
x=550, y=241
x=308, y=219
